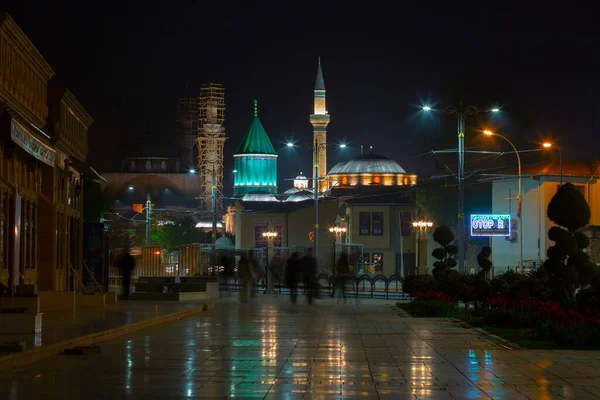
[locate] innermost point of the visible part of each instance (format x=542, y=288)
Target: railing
x=364, y=286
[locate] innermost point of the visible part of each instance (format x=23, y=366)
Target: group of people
x=302, y=269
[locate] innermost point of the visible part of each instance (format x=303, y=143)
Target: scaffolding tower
x=211, y=140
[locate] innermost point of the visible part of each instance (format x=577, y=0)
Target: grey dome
x=301, y=196
x=291, y=191
x=368, y=164
x=224, y=243
x=259, y=195
x=301, y=177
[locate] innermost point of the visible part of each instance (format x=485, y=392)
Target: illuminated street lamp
x=462, y=111
x=548, y=145
x=270, y=234
x=519, y=196
x=422, y=227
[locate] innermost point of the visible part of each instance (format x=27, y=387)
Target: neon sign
x=490, y=225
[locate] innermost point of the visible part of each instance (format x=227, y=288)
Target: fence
x=363, y=286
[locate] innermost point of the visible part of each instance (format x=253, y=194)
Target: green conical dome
x=256, y=140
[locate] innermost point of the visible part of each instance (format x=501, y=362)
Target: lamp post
x=316, y=147
x=548, y=145
x=462, y=112
x=338, y=230
x=270, y=234
x=519, y=195
x=422, y=226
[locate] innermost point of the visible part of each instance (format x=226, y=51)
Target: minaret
x=319, y=120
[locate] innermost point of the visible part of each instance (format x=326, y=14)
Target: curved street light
x=549, y=145
x=462, y=111
x=519, y=196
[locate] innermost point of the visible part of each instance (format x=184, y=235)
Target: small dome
x=301, y=177
x=291, y=191
x=224, y=243
x=259, y=195
x=301, y=196
x=368, y=164
x=207, y=224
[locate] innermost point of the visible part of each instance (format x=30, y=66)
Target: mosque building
x=372, y=195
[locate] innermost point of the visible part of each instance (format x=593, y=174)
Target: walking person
x=126, y=265
x=245, y=274
x=342, y=269
x=309, y=270
x=293, y=275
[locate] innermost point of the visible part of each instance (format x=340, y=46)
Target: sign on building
x=490, y=225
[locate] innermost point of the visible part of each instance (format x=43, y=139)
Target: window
x=364, y=223
x=378, y=263
x=364, y=263
x=377, y=180
x=377, y=223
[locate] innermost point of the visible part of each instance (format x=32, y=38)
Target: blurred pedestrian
x=293, y=273
x=342, y=270
x=309, y=271
x=126, y=265
x=245, y=274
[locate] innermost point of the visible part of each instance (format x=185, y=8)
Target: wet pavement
x=332, y=349
x=60, y=326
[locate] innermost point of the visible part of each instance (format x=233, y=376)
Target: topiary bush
x=568, y=267
x=445, y=254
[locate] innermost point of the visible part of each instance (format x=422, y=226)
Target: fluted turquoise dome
x=255, y=161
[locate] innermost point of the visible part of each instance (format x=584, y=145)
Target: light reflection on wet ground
x=271, y=349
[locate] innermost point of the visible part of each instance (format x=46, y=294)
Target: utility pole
x=148, y=212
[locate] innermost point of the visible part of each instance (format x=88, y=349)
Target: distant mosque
x=255, y=163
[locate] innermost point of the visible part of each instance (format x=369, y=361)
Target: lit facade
x=255, y=161
x=539, y=184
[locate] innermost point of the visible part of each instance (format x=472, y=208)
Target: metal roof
x=259, y=195
x=301, y=196
x=256, y=140
x=368, y=164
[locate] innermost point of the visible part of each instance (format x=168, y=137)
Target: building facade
x=540, y=182
x=43, y=161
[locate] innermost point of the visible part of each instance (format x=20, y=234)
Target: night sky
x=127, y=62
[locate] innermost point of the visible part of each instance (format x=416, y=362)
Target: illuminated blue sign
x=490, y=225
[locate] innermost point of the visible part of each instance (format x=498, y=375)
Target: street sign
x=490, y=225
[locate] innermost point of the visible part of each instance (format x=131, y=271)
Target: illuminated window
x=377, y=180
x=378, y=263
x=345, y=180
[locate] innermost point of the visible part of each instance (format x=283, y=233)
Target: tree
x=171, y=234
x=444, y=236
x=95, y=201
x=569, y=268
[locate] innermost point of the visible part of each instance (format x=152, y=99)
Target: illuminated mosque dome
x=291, y=191
x=259, y=195
x=370, y=170
x=255, y=161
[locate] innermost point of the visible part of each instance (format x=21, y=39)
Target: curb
x=32, y=355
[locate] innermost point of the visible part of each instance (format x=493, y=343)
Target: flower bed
x=567, y=327
x=431, y=304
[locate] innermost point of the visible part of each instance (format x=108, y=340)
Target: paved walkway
x=59, y=326
x=272, y=349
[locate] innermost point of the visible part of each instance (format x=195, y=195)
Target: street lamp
x=462, y=111
x=270, y=234
x=422, y=227
x=548, y=145
x=316, y=147
x=519, y=196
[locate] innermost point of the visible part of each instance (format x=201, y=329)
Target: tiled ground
x=59, y=326
x=272, y=349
